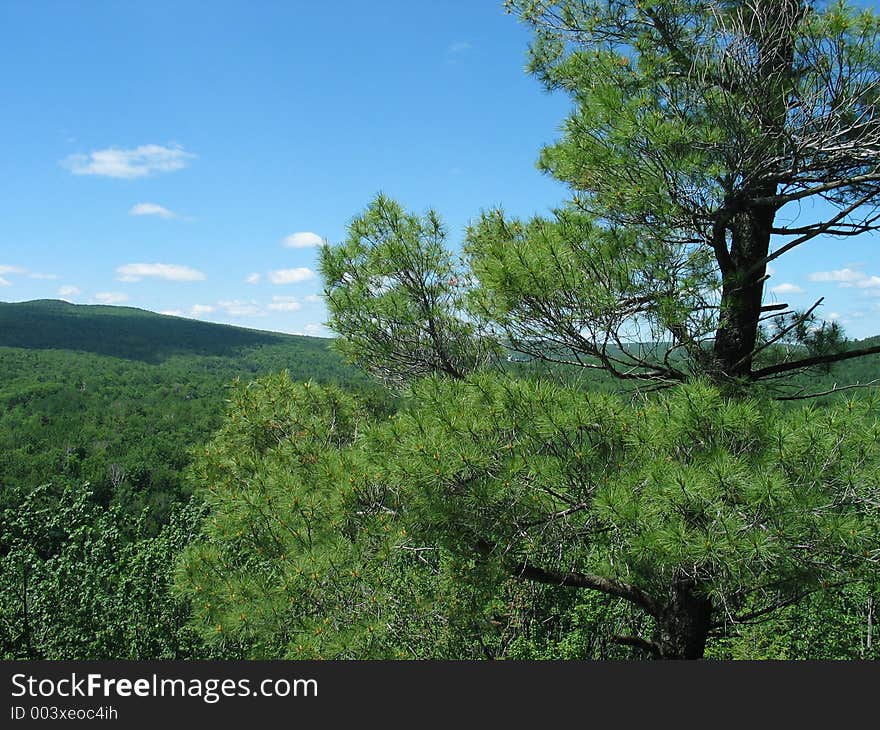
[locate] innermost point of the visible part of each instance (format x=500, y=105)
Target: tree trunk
x=749, y=223
x=685, y=623
x=742, y=292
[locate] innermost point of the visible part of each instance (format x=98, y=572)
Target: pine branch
x=526, y=571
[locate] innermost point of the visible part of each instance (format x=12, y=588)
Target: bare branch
x=835, y=389
x=773, y=340
x=811, y=361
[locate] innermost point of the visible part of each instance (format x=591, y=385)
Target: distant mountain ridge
x=138, y=334
x=128, y=332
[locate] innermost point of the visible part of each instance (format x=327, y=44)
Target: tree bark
x=684, y=623
x=743, y=291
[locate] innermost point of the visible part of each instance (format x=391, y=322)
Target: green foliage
x=78, y=582
x=284, y=565
x=828, y=624
x=331, y=533
x=525, y=511
x=92, y=409
x=753, y=506
x=116, y=398
x=306, y=551
x=397, y=294
x=555, y=289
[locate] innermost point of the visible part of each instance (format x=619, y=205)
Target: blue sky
x=185, y=157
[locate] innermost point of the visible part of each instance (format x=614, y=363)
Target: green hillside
x=118, y=397
x=134, y=334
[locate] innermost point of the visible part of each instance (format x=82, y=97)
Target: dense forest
x=101, y=410
x=588, y=435
x=104, y=444
x=116, y=396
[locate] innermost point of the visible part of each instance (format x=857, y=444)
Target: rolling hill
x=118, y=397
x=135, y=334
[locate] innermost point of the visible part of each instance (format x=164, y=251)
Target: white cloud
x=12, y=270
x=869, y=282
x=313, y=298
x=128, y=164
x=169, y=272
x=849, y=279
x=172, y=312
x=284, y=304
x=68, y=291
x=198, y=310
x=458, y=47
x=291, y=276
x=152, y=209
x=303, y=239
x=252, y=278
x=846, y=276
x=787, y=289
x=241, y=308
x=111, y=297
x=314, y=329
x=5, y=282
x=37, y=275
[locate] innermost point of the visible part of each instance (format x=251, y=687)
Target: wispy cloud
x=313, y=298
x=284, y=304
x=241, y=308
x=169, y=272
x=849, y=279
x=457, y=48
x=291, y=276
x=152, y=209
x=38, y=275
x=869, y=282
x=252, y=278
x=143, y=161
x=845, y=276
x=7, y=269
x=111, y=297
x=303, y=239
x=196, y=311
x=199, y=310
x=68, y=291
x=787, y=289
